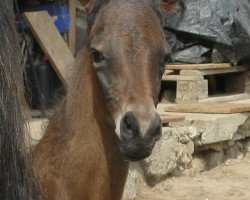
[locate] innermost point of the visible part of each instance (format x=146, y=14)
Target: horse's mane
x=15, y=174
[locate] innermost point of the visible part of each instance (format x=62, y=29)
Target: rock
x=198, y=164
x=214, y=158
x=173, y=153
x=235, y=152
x=207, y=129
x=184, y=139
x=246, y=145
x=222, y=129
x=135, y=181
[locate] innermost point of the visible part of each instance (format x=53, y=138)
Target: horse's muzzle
x=134, y=143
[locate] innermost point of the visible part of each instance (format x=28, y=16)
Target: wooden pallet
x=192, y=81
x=198, y=66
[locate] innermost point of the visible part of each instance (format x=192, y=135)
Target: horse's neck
x=87, y=113
x=86, y=110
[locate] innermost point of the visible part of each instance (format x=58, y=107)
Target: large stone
x=172, y=154
x=221, y=129
x=135, y=181
x=198, y=164
x=189, y=91
x=206, y=129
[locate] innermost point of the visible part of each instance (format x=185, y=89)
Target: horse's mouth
x=135, y=156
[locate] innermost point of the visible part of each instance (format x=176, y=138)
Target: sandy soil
x=229, y=181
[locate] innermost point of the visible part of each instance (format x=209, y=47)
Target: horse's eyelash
x=92, y=50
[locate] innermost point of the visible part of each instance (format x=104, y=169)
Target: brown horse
x=109, y=114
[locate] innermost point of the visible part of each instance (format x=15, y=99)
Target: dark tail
x=16, y=178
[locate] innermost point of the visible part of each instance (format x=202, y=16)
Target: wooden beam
x=198, y=66
x=167, y=118
x=205, y=72
x=51, y=42
x=72, y=30
x=225, y=98
x=181, y=78
x=215, y=108
x=168, y=72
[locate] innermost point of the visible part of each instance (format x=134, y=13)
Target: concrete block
x=191, y=91
x=202, y=85
x=221, y=129
x=214, y=128
x=187, y=90
x=202, y=94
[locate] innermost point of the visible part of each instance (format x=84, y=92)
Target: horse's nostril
x=128, y=122
x=129, y=125
x=156, y=128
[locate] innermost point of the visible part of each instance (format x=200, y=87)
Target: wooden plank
x=166, y=118
x=198, y=66
x=181, y=78
x=168, y=72
x=225, y=98
x=215, y=108
x=52, y=43
x=72, y=30
x=214, y=71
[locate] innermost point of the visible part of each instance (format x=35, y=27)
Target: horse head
x=128, y=51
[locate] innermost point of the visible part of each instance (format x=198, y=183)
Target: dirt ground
x=229, y=181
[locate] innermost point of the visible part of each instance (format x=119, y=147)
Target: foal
x=109, y=114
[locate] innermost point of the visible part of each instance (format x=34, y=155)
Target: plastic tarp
x=210, y=31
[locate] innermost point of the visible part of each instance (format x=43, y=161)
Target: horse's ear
x=91, y=8
x=88, y=5
x=84, y=2
x=169, y=6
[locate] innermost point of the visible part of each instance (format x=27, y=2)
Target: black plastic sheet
x=210, y=31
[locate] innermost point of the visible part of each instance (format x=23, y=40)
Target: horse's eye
x=97, y=56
